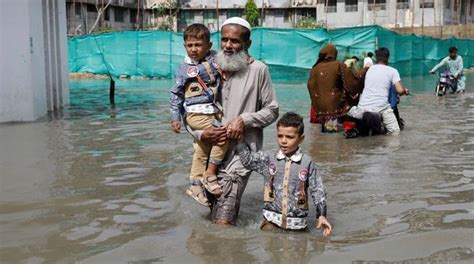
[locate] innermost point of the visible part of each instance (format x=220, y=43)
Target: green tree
x=251, y=13
x=168, y=9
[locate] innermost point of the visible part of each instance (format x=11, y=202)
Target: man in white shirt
x=378, y=81
x=368, y=60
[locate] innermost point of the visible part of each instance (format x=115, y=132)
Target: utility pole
x=84, y=17
x=459, y=11
x=326, y=14
x=434, y=14
x=452, y=11
x=412, y=16
x=396, y=15
x=422, y=16
x=373, y=11
x=217, y=12
x=171, y=20
x=73, y=16
x=467, y=12
x=363, y=13
x=137, y=27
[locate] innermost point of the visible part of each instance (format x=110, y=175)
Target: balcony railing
x=377, y=7
x=403, y=5
x=351, y=8
x=427, y=4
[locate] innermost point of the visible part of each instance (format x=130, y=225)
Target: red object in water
x=348, y=125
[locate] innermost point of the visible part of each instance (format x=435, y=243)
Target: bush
x=251, y=13
x=103, y=30
x=308, y=22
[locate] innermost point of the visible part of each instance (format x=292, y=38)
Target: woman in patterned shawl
x=333, y=89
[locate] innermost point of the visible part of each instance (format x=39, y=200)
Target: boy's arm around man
x=255, y=161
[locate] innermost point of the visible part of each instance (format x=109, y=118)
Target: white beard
x=232, y=63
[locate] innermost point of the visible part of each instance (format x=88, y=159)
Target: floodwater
x=106, y=185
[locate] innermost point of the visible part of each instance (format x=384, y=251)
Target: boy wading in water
x=194, y=99
x=290, y=177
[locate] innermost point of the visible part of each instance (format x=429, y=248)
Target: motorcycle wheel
x=438, y=90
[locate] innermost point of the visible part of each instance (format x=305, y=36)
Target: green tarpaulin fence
x=158, y=53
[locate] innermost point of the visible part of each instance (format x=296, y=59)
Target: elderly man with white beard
x=249, y=103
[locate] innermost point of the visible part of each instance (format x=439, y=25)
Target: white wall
x=30, y=41
x=381, y=17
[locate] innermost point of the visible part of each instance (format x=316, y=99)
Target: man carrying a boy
x=249, y=103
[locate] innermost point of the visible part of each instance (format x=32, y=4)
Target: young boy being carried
x=288, y=176
x=194, y=99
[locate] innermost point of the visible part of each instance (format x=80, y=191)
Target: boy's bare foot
x=222, y=222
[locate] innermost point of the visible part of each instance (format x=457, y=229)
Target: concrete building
x=34, y=71
x=177, y=14
x=393, y=13
x=331, y=13
x=118, y=15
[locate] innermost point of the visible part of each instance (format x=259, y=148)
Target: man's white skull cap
x=238, y=21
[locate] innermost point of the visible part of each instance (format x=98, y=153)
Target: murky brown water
x=107, y=185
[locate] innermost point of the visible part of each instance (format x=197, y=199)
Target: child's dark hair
x=292, y=119
x=198, y=31
x=452, y=49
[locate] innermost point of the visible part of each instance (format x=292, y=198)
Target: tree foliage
x=251, y=13
x=168, y=9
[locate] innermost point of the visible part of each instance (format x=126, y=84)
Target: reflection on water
x=106, y=185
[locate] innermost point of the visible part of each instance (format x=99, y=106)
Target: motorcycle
x=445, y=83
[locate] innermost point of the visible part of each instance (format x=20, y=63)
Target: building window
x=375, y=5
x=106, y=15
x=306, y=12
x=331, y=6
x=133, y=16
x=286, y=16
x=187, y=17
x=427, y=4
x=403, y=4
x=209, y=17
x=91, y=9
x=234, y=13
x=118, y=14
x=78, y=9
x=280, y=14
x=352, y=5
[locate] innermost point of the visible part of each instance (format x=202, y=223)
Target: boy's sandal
x=210, y=183
x=197, y=193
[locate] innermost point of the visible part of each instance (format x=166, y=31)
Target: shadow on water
x=106, y=185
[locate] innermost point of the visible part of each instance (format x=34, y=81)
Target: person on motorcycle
x=454, y=65
x=374, y=112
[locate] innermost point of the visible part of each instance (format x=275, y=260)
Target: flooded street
x=103, y=185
